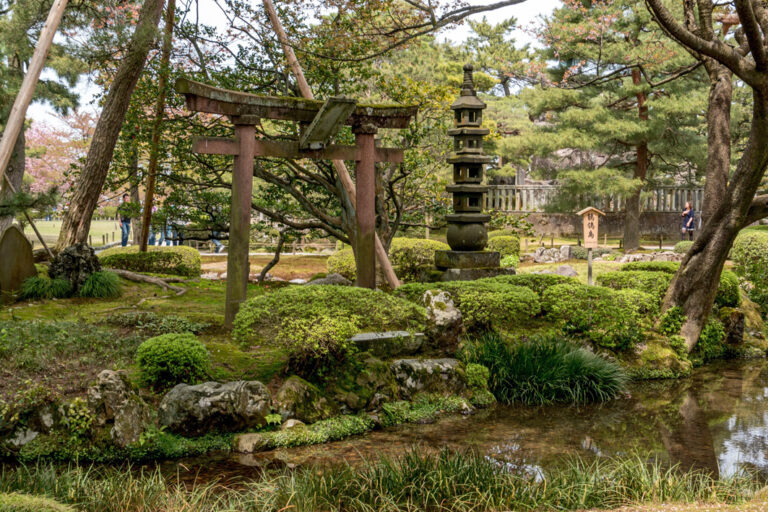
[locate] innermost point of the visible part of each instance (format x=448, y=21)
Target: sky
x=526, y=13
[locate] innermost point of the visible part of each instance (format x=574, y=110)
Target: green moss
x=657, y=360
x=14, y=502
x=332, y=429
x=424, y=409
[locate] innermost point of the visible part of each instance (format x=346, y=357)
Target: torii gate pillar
x=365, y=195
x=238, y=264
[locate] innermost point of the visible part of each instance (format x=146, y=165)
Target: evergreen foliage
x=171, y=359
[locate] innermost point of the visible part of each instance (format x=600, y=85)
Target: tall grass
x=45, y=288
x=414, y=482
x=101, y=285
x=545, y=369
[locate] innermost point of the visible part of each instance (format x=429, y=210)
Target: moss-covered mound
x=15, y=502
x=178, y=259
x=263, y=318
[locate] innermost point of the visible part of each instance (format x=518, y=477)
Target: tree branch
x=757, y=210
x=752, y=31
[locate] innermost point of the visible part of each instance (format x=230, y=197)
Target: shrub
x=544, y=370
x=536, y=282
x=670, y=267
x=504, y=232
x=171, y=359
x=672, y=321
x=727, y=290
x=410, y=256
x=317, y=344
x=683, y=246
x=477, y=376
x=342, y=262
x=509, y=261
x=710, y=345
x=654, y=283
x=261, y=318
x=505, y=245
x=178, y=259
x=750, y=255
x=609, y=318
x=579, y=252
x=101, y=285
x=484, y=304
x=45, y=288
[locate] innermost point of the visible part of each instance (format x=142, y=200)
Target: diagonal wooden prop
x=341, y=169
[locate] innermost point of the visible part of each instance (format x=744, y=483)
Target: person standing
x=689, y=222
x=126, y=212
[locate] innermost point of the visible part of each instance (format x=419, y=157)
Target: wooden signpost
x=590, y=218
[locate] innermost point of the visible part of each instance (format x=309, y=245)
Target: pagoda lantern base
x=466, y=259
x=470, y=274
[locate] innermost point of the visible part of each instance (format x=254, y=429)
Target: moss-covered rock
x=15, y=502
x=442, y=376
x=304, y=401
x=657, y=360
x=365, y=384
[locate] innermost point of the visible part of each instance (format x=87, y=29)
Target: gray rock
x=18, y=262
x=22, y=436
x=566, y=270
x=363, y=385
x=291, y=424
x=213, y=406
x=565, y=252
x=115, y=403
x=415, y=376
x=654, y=256
x=545, y=255
x=444, y=322
x=301, y=400
x=389, y=343
x=332, y=279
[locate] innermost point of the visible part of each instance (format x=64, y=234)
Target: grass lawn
x=50, y=231
x=63, y=344
x=580, y=266
x=289, y=267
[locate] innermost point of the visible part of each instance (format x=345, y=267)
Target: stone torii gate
x=319, y=122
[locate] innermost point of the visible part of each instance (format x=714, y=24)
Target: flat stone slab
x=389, y=343
x=444, y=376
x=470, y=274
x=467, y=259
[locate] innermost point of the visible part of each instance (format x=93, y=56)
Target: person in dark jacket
x=689, y=222
x=125, y=218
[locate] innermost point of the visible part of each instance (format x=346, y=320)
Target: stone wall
x=652, y=224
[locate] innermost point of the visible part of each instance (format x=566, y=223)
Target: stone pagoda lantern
x=467, y=234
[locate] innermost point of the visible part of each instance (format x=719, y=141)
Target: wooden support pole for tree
x=341, y=169
x=24, y=97
x=154, y=152
x=238, y=266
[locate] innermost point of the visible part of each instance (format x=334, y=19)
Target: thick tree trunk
x=695, y=284
x=632, y=217
x=77, y=221
x=718, y=136
x=15, y=173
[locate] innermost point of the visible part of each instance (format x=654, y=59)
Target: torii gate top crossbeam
x=214, y=100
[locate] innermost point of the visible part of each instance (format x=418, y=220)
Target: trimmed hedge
x=750, y=255
x=654, y=283
x=484, y=304
x=506, y=245
x=178, y=259
x=727, y=289
x=261, y=319
x=683, y=246
x=409, y=257
x=504, y=232
x=536, y=282
x=609, y=318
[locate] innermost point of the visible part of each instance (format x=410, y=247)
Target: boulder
x=566, y=270
x=364, y=385
x=115, y=403
x=565, y=252
x=288, y=424
x=389, y=343
x=653, y=256
x=301, y=400
x=75, y=264
x=545, y=255
x=18, y=262
x=213, y=406
x=332, y=279
x=444, y=376
x=250, y=442
x=444, y=322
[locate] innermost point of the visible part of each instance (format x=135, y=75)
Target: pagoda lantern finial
x=468, y=87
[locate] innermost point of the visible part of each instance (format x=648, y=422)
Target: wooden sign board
x=590, y=218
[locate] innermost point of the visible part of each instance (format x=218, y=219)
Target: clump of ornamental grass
x=545, y=369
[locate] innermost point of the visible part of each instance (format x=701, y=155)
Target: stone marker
x=16, y=262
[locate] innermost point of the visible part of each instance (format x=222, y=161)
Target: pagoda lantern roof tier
x=469, y=158
x=469, y=102
x=480, y=132
x=467, y=188
x=468, y=218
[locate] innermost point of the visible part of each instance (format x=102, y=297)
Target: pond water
x=717, y=420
